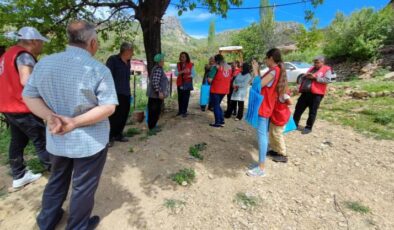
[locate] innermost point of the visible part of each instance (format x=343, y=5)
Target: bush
x=303, y=56
x=359, y=36
x=186, y=174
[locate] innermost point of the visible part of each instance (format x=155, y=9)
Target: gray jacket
x=242, y=81
x=163, y=84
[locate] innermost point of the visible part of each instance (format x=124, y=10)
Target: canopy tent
x=232, y=49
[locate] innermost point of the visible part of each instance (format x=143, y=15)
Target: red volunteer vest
x=221, y=82
x=281, y=114
x=236, y=71
x=187, y=77
x=10, y=86
x=270, y=95
x=317, y=87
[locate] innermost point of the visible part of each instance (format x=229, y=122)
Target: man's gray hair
x=319, y=58
x=80, y=32
x=125, y=46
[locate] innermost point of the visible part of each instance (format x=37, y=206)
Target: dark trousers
x=154, y=110
x=25, y=127
x=119, y=118
x=183, y=100
x=232, y=108
x=217, y=110
x=311, y=101
x=85, y=174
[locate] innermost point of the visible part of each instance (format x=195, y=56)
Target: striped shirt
x=71, y=83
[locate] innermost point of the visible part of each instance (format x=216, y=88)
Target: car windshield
x=301, y=65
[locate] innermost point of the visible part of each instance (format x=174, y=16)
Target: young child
x=280, y=116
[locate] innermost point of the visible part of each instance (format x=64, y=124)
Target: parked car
x=295, y=70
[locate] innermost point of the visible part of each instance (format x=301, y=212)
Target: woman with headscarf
x=240, y=86
x=157, y=90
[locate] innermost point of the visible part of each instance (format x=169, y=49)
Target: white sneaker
x=26, y=179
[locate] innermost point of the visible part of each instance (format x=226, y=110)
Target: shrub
x=186, y=174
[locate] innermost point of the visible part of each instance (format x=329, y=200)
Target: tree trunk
x=149, y=14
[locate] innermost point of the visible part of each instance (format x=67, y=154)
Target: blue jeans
x=217, y=110
x=262, y=135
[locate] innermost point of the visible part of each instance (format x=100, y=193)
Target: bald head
x=80, y=33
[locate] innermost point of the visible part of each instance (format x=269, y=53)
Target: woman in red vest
x=269, y=91
x=185, y=74
x=316, y=81
x=220, y=79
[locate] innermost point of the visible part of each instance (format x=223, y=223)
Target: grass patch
x=195, y=150
x=380, y=72
x=131, y=132
x=357, y=207
x=187, y=174
x=5, y=138
x=373, y=117
x=35, y=165
x=153, y=132
x=246, y=200
x=173, y=204
x=3, y=192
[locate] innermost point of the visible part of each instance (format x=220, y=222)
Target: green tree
x=267, y=23
x=211, y=35
x=309, y=39
x=250, y=39
x=360, y=35
x=51, y=17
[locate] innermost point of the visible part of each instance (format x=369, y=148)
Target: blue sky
x=196, y=23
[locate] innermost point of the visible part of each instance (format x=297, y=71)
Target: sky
x=196, y=22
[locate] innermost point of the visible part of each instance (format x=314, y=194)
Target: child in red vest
x=280, y=116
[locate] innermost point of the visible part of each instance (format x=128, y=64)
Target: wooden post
x=134, y=93
x=171, y=84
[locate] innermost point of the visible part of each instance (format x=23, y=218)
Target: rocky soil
x=326, y=168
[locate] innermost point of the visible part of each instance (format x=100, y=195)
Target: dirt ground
x=326, y=168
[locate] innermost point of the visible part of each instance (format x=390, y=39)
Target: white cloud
x=195, y=15
x=250, y=20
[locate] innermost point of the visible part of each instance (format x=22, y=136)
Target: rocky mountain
x=172, y=29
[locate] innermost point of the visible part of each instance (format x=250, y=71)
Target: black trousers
x=85, y=175
x=183, y=100
x=25, y=127
x=233, y=105
x=234, y=109
x=310, y=101
x=154, y=110
x=119, y=118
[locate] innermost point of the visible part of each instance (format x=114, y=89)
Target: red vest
x=317, y=87
x=270, y=95
x=221, y=82
x=186, y=77
x=236, y=71
x=10, y=85
x=281, y=114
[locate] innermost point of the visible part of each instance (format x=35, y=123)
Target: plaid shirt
x=156, y=76
x=72, y=83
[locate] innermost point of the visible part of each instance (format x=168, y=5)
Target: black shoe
x=57, y=219
x=280, y=158
x=306, y=131
x=121, y=139
x=272, y=153
x=184, y=115
x=93, y=222
x=178, y=114
x=216, y=125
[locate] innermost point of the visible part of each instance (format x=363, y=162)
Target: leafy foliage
x=360, y=35
x=195, y=150
x=187, y=174
x=309, y=40
x=250, y=39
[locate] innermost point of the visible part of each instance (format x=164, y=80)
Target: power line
x=254, y=7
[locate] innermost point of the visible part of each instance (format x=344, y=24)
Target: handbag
x=187, y=86
x=204, y=94
x=290, y=125
x=254, y=103
x=306, y=85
